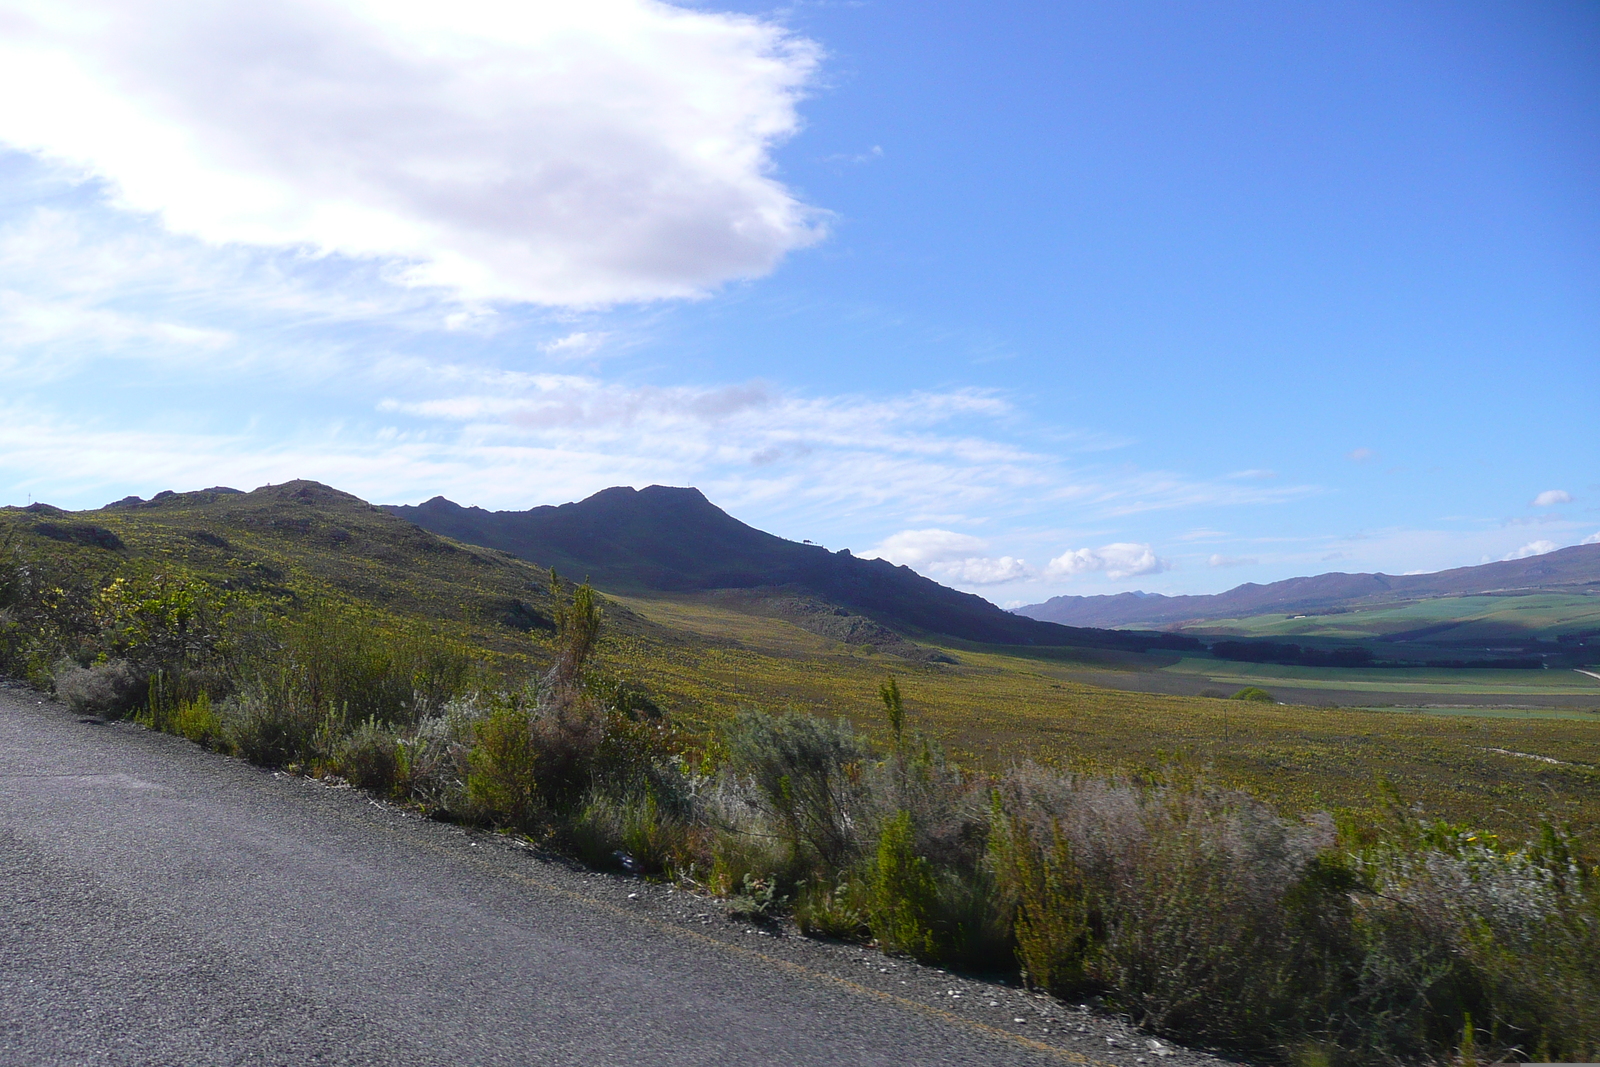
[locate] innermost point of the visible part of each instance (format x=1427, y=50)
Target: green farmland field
x=1460, y=619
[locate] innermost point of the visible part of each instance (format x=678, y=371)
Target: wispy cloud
x=870, y=155
x=576, y=345
x=1551, y=496
x=1231, y=561
x=1361, y=455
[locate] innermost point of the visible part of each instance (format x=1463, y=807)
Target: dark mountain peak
x=672, y=539
x=653, y=501
x=442, y=506
x=677, y=494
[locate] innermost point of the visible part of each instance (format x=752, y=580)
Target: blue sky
x=1037, y=298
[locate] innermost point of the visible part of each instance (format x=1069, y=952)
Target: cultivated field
x=1546, y=692
x=1458, y=619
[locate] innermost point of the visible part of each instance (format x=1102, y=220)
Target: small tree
x=577, y=629
x=889, y=693
x=905, y=893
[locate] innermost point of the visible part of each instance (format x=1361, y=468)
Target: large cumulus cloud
x=529, y=150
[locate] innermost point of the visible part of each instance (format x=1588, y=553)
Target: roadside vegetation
x=1203, y=912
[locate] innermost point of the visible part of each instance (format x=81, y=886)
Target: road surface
x=162, y=904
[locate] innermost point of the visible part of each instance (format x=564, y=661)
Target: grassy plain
x=1499, y=773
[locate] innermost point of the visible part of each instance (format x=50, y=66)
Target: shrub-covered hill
x=674, y=540
x=283, y=545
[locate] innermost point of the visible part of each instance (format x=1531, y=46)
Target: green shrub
x=1255, y=693
x=195, y=720
x=633, y=832
x=181, y=705
x=806, y=774
x=757, y=900
x=578, y=619
x=370, y=758
x=737, y=853
x=905, y=893
x=1051, y=917
x=502, y=782
x=344, y=662
x=835, y=909
x=1458, y=926
x=273, y=726
x=112, y=688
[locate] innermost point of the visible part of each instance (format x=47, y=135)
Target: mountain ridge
x=1575, y=569
x=672, y=539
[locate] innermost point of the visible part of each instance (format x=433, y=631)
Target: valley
x=703, y=654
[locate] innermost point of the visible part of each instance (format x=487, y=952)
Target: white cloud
x=575, y=345
x=1120, y=560
x=1592, y=539
x=530, y=150
x=1361, y=455
x=1551, y=496
x=917, y=548
x=1532, y=548
x=955, y=557
x=1231, y=561
x=984, y=570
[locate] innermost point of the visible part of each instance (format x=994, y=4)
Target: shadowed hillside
x=664, y=539
x=1570, y=570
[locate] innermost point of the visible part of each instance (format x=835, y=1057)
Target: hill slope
x=298, y=540
x=665, y=539
x=1569, y=570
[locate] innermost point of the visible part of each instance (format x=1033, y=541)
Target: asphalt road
x=162, y=904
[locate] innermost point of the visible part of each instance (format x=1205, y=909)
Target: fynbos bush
x=805, y=775
x=111, y=688
x=370, y=757
x=905, y=893
x=501, y=778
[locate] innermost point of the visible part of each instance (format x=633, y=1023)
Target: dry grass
x=993, y=710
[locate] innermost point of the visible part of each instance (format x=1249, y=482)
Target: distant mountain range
x=1569, y=570
x=674, y=540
